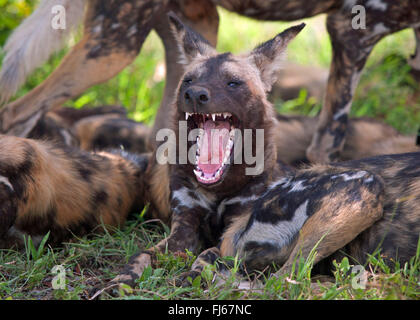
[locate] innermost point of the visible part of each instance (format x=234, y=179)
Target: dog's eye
x=187, y=81
x=234, y=84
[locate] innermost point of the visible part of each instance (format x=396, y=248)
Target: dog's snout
x=197, y=95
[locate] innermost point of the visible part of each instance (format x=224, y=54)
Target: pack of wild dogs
x=73, y=172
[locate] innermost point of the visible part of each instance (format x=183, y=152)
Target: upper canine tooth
x=213, y=116
x=187, y=115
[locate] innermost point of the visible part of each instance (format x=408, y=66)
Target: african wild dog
x=65, y=191
x=365, y=137
x=351, y=209
x=229, y=205
x=103, y=132
x=57, y=124
x=91, y=129
x=114, y=33
x=262, y=214
x=208, y=201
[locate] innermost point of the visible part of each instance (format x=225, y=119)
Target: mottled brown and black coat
x=65, y=191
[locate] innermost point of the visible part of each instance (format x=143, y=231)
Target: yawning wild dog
x=211, y=197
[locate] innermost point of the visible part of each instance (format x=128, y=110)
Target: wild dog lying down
x=64, y=191
x=57, y=124
x=365, y=137
x=78, y=176
x=349, y=209
x=102, y=132
x=209, y=200
x=97, y=128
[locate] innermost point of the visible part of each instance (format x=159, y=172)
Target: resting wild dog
x=114, y=34
x=355, y=207
x=365, y=137
x=65, y=191
x=91, y=129
x=57, y=124
x=218, y=200
x=103, y=132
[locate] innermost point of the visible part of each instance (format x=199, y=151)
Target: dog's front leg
x=414, y=61
x=351, y=48
x=202, y=16
x=184, y=235
x=187, y=213
x=205, y=258
x=113, y=35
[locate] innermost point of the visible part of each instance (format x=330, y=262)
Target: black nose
x=197, y=95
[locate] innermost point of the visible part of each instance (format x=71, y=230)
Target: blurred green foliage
x=12, y=12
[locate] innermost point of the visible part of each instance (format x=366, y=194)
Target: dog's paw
x=185, y=279
x=134, y=269
x=111, y=288
x=127, y=278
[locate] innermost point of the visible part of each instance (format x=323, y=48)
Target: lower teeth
x=200, y=174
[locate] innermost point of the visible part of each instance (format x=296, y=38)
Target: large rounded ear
x=268, y=57
x=190, y=43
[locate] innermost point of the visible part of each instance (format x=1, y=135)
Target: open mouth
x=215, y=144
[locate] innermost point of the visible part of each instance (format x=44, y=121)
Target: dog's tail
x=33, y=42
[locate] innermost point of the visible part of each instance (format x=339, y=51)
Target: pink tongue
x=213, y=145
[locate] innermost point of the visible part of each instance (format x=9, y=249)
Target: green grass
x=386, y=91
x=91, y=261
